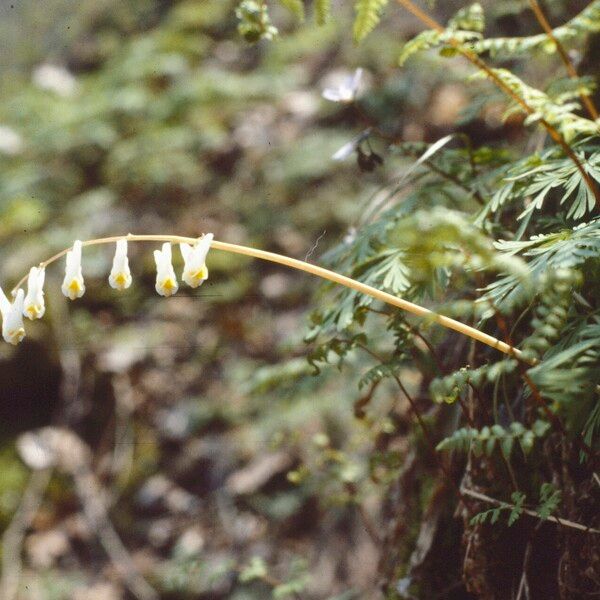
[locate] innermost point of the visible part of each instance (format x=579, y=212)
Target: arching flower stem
x=321, y=272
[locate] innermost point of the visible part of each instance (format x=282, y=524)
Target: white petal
x=4, y=304
x=13, y=330
x=166, y=280
x=203, y=247
x=356, y=80
x=73, y=285
x=120, y=274
x=345, y=151
x=186, y=251
x=332, y=94
x=34, y=305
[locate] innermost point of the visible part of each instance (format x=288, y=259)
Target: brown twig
x=473, y=58
x=572, y=72
x=14, y=535
x=531, y=513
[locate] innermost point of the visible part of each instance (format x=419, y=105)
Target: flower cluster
x=32, y=305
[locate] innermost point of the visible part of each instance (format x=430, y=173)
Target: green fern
x=560, y=116
x=296, y=7
x=431, y=39
x=564, y=249
x=380, y=372
x=368, y=15
x=587, y=21
x=470, y=18
x=487, y=439
x=552, y=311
x=550, y=499
x=449, y=388
x=515, y=510
x=322, y=11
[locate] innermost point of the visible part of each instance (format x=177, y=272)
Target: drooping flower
x=35, y=307
x=195, y=271
x=73, y=286
x=347, y=90
x=166, y=281
x=120, y=275
x=13, y=330
x=348, y=149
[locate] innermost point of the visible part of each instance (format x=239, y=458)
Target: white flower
x=166, y=281
x=73, y=286
x=34, y=307
x=349, y=148
x=120, y=275
x=11, y=142
x=346, y=151
x=347, y=90
x=13, y=330
x=55, y=79
x=194, y=258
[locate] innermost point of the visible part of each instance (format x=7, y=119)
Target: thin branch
x=482, y=65
x=321, y=272
x=531, y=513
x=456, y=181
x=572, y=72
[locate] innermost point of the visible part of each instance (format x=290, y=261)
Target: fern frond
x=561, y=116
x=564, y=249
x=380, y=372
x=587, y=21
x=470, y=18
x=430, y=39
x=368, y=15
x=493, y=514
x=322, y=11
x=448, y=389
x=487, y=439
x=294, y=6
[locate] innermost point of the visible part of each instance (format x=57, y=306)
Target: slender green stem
x=300, y=265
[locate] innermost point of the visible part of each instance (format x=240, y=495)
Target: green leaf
x=518, y=499
x=550, y=499
x=507, y=445
x=368, y=15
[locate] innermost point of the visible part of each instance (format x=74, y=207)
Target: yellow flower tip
x=194, y=279
x=16, y=336
x=74, y=289
x=121, y=281
x=34, y=311
x=168, y=287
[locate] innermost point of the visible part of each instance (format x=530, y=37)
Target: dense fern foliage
x=506, y=237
